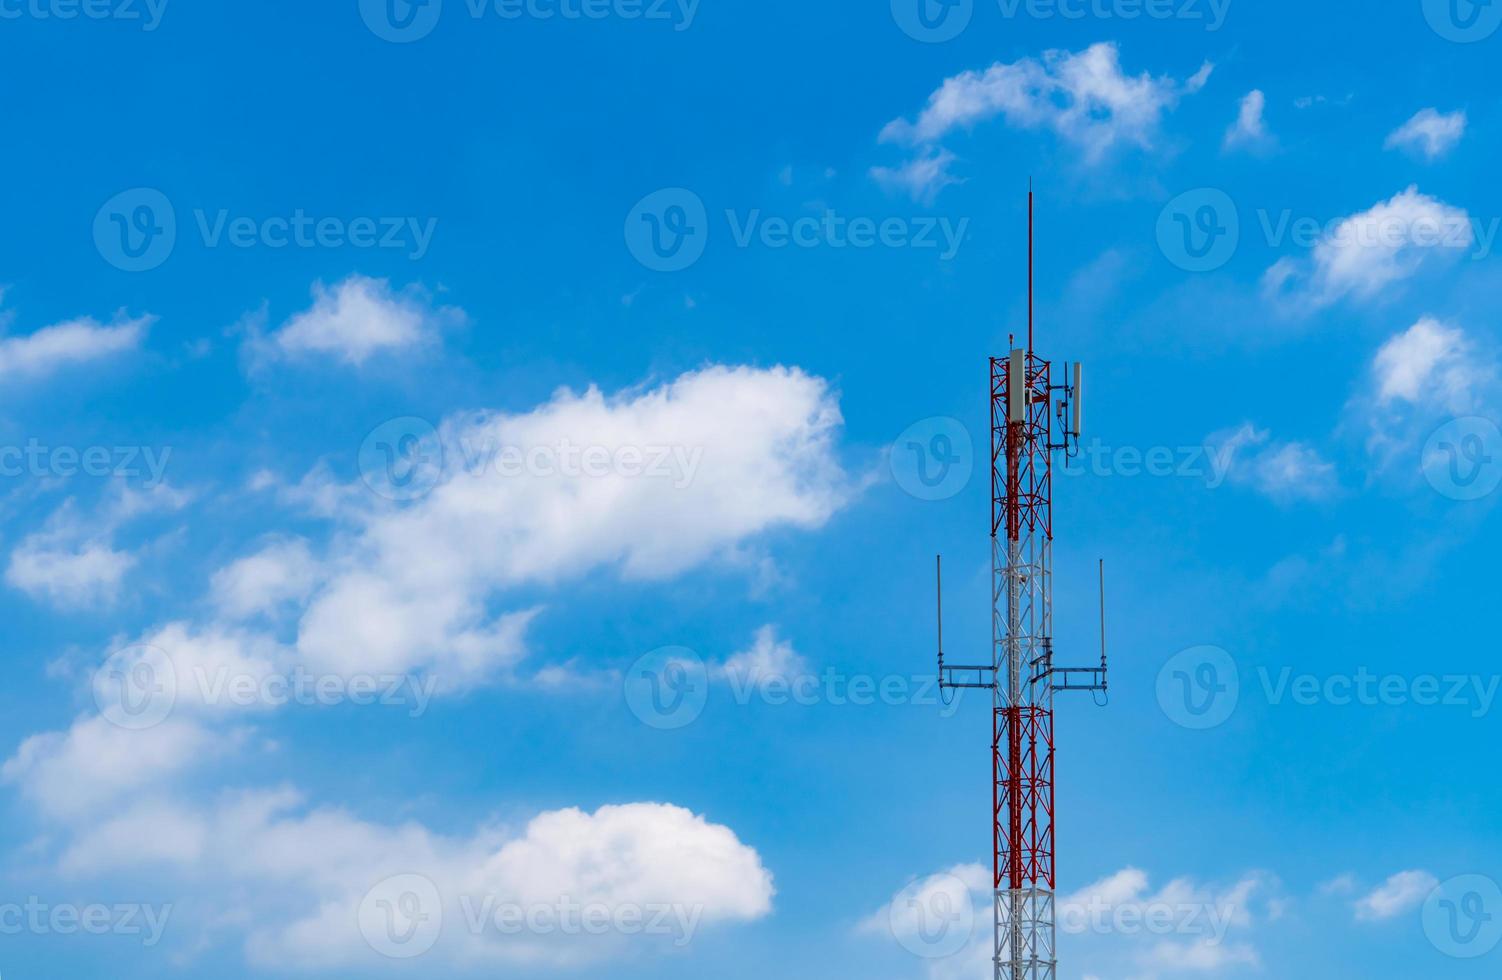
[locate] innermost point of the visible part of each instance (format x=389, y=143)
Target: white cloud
x=414, y=586
x=1250, y=129
x=361, y=318
x=301, y=878
x=67, y=575
x=1343, y=884
x=944, y=918
x=922, y=177
x=1400, y=893
x=1184, y=926
x=93, y=764
x=1249, y=456
x=767, y=658
x=73, y=342
x=258, y=584
x=1428, y=373
x=701, y=464
x=1368, y=252
x=1429, y=133
x=71, y=562
x=1429, y=364
x=1084, y=97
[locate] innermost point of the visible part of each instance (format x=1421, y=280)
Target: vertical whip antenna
x=1029, y=266
x=939, y=602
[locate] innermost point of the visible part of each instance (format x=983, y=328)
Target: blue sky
x=456, y=467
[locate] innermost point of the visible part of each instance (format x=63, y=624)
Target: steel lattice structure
x=1021, y=676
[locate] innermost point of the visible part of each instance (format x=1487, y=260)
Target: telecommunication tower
x=1026, y=406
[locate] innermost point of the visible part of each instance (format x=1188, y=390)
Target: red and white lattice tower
x=1032, y=417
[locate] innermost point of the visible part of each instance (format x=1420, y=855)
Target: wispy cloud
x=357, y=320
x=1430, y=133
x=73, y=342
x=1249, y=131
x=1400, y=893
x=1083, y=97
x=1369, y=252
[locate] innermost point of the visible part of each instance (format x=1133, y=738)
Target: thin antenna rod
x=1103, y=619
x=1029, y=266
x=939, y=593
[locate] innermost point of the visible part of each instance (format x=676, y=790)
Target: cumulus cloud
x=1429, y=364
x=1250, y=129
x=1401, y=893
x=1428, y=373
x=280, y=573
x=649, y=482
x=1430, y=133
x=1285, y=471
x=79, y=772
x=73, y=342
x=67, y=574
x=768, y=658
x=1366, y=253
x=72, y=563
x=305, y=885
x=359, y=319
x=1184, y=926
